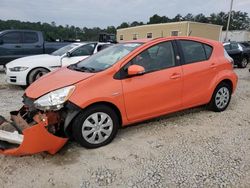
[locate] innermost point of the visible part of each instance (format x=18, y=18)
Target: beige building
x=185, y=28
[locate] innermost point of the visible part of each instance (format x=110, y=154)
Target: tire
x=221, y=98
x=243, y=62
x=35, y=74
x=88, y=133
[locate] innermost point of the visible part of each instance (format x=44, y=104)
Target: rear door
x=11, y=48
x=159, y=90
x=199, y=69
x=32, y=44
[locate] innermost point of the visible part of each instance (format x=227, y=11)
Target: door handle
x=38, y=46
x=175, y=76
x=18, y=46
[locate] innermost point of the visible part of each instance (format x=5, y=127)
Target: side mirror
x=68, y=54
x=1, y=41
x=134, y=70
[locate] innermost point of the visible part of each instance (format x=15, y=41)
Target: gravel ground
x=193, y=148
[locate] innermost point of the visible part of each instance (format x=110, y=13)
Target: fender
x=223, y=75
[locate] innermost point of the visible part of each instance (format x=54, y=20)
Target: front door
x=79, y=54
x=11, y=47
x=159, y=90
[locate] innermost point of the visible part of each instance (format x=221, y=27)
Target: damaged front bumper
x=30, y=136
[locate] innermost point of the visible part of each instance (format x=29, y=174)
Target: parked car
x=239, y=52
x=19, y=43
x=246, y=44
x=124, y=84
x=26, y=70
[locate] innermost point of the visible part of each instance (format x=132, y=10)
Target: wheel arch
x=69, y=125
x=27, y=77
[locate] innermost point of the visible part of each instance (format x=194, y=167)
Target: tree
x=123, y=25
x=188, y=17
x=155, y=19
x=177, y=18
x=135, y=23
x=201, y=18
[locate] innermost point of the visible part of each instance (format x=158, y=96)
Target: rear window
x=234, y=46
x=30, y=37
x=208, y=50
x=227, y=47
x=193, y=51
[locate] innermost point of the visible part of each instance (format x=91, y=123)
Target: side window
x=102, y=47
x=193, y=51
x=208, y=50
x=227, y=47
x=234, y=46
x=158, y=57
x=12, y=38
x=30, y=37
x=84, y=50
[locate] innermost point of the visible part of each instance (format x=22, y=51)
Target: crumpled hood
x=35, y=60
x=55, y=80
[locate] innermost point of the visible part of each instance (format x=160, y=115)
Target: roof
x=170, y=23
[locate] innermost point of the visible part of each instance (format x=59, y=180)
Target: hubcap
x=97, y=128
x=40, y=74
x=222, y=97
x=244, y=62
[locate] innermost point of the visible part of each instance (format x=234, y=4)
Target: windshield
x=105, y=58
x=64, y=49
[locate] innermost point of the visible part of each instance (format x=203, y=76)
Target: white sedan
x=24, y=71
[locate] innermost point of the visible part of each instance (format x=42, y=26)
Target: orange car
x=125, y=84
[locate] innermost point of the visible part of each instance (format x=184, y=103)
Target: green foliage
x=239, y=21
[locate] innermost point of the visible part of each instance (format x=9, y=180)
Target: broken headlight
x=55, y=99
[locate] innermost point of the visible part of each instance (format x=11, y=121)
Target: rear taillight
x=228, y=58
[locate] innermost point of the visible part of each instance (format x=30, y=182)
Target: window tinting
x=30, y=37
x=158, y=57
x=227, y=47
x=193, y=51
x=234, y=46
x=208, y=50
x=87, y=49
x=12, y=38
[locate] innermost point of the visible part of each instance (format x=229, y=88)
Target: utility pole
x=229, y=18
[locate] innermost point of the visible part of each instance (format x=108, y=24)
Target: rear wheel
x=221, y=97
x=35, y=74
x=96, y=126
x=243, y=62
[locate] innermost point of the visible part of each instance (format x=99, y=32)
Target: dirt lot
x=194, y=148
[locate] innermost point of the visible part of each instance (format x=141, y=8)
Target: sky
x=103, y=13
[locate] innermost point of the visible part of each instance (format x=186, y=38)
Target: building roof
x=170, y=23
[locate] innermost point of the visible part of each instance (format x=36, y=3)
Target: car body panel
x=58, y=79
x=102, y=87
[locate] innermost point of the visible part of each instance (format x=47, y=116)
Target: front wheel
x=96, y=126
x=35, y=74
x=221, y=98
